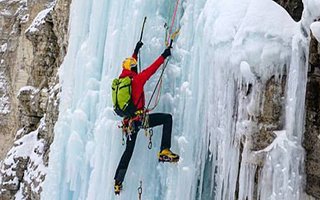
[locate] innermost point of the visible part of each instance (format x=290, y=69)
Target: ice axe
x=144, y=22
x=142, y=29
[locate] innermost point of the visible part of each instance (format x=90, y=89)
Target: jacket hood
x=126, y=72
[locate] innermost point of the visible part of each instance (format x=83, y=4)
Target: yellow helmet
x=128, y=63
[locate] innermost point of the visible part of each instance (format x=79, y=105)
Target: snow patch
x=28, y=89
x=313, y=6
x=30, y=149
x=4, y=105
x=24, y=18
x=315, y=28
x=279, y=141
x=24, y=146
x=246, y=73
x=5, y=12
x=39, y=20
x=19, y=194
x=3, y=48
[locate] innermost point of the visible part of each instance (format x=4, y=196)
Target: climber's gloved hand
x=138, y=46
x=166, y=53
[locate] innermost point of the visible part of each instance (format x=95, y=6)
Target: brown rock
x=35, y=57
x=293, y=7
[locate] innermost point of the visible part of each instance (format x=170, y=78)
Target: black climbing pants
x=155, y=119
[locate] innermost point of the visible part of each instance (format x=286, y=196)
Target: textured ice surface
x=221, y=44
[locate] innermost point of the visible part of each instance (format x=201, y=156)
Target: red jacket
x=138, y=80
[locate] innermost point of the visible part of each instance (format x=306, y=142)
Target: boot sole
x=168, y=159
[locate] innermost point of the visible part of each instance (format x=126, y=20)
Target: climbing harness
x=141, y=34
x=140, y=191
x=128, y=126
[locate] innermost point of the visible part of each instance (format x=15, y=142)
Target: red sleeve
x=147, y=73
x=135, y=56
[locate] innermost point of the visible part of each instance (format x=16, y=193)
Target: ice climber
x=138, y=81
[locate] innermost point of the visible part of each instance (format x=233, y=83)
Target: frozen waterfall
x=226, y=53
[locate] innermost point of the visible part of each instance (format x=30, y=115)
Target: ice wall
x=223, y=45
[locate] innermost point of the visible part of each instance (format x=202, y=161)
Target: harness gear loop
x=128, y=127
x=140, y=190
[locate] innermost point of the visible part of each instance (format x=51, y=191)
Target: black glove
x=166, y=53
x=138, y=46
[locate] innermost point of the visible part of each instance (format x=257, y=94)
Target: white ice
x=315, y=28
x=220, y=44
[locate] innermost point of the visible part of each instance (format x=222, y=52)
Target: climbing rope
x=173, y=19
x=159, y=81
x=140, y=191
x=168, y=37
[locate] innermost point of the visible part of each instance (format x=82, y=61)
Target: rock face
x=312, y=133
x=264, y=121
x=10, y=64
x=33, y=44
x=294, y=8
x=270, y=117
x=312, y=127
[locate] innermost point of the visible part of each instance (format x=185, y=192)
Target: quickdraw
x=171, y=36
x=140, y=191
x=147, y=130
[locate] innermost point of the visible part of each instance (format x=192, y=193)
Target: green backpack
x=121, y=97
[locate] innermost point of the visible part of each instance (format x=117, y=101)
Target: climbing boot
x=167, y=156
x=117, y=187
